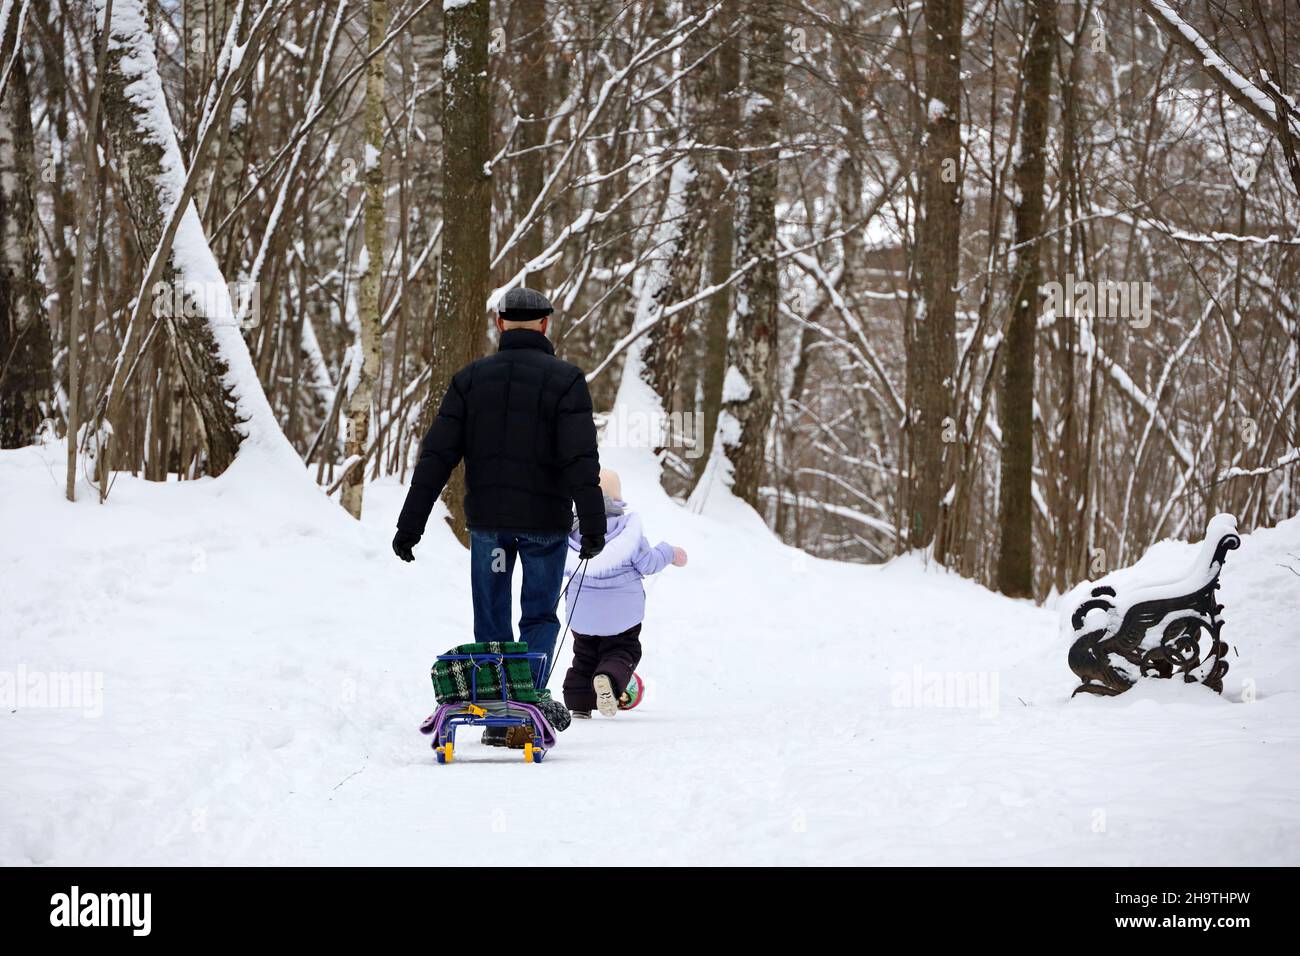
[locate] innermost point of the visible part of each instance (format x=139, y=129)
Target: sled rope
x=582, y=567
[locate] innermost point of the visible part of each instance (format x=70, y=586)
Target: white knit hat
x=610, y=484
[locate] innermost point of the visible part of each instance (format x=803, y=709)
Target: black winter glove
x=403, y=542
x=592, y=545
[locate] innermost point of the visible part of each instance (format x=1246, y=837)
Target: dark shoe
x=581, y=714
x=494, y=737
x=516, y=737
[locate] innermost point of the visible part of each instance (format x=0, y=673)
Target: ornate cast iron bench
x=1129, y=625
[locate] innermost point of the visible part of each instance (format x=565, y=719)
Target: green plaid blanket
x=452, y=679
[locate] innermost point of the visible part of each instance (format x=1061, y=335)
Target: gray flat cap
x=525, y=302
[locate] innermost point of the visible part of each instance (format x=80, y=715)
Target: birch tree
x=749, y=389
x=26, y=370
x=368, y=357
x=722, y=133
x=685, y=214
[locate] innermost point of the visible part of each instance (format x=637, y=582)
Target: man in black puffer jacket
x=522, y=421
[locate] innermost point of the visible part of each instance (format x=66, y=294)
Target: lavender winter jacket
x=611, y=598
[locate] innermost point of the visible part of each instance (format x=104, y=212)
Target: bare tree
x=368, y=355
x=721, y=227
x=686, y=214
x=458, y=324
x=531, y=52
x=1016, y=398
x=664, y=180
x=195, y=307
x=749, y=389
x=931, y=342
x=26, y=370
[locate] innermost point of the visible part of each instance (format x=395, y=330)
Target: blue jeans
x=492, y=566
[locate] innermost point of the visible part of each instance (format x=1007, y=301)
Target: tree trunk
x=531, y=53
x=749, y=389
x=458, y=333
x=198, y=315
x=848, y=177
x=56, y=170
x=1068, y=462
x=721, y=228
x=1015, y=574
x=427, y=48
x=26, y=373
x=663, y=350
x=932, y=343
x=369, y=321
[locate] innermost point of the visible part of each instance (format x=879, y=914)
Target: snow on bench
x=1133, y=624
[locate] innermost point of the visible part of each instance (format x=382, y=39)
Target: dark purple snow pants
x=615, y=656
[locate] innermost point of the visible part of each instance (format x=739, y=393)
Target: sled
x=475, y=712
x=634, y=692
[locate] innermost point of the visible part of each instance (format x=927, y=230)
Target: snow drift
x=256, y=665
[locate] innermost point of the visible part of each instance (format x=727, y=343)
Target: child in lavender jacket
x=606, y=602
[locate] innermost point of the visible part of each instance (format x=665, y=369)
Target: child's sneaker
x=633, y=694
x=606, y=699
x=581, y=714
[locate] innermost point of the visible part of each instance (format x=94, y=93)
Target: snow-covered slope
x=264, y=665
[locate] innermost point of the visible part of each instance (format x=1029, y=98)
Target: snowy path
x=265, y=665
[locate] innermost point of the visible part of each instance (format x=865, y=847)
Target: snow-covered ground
x=264, y=664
